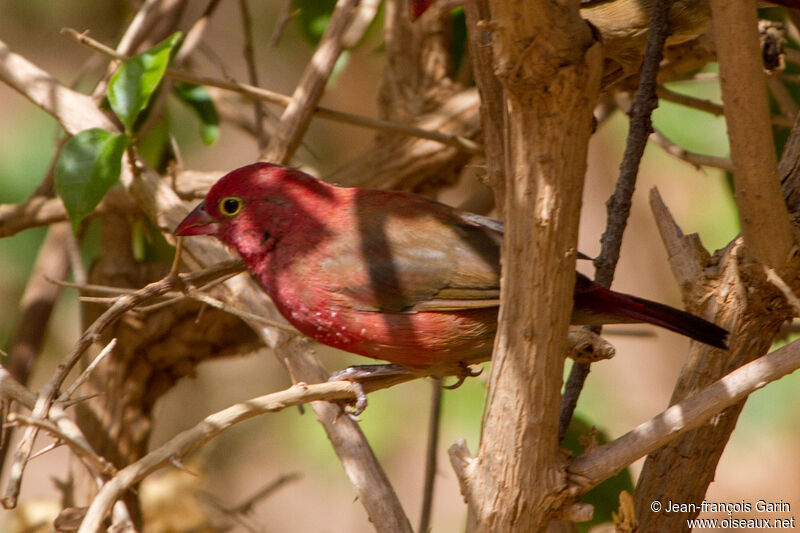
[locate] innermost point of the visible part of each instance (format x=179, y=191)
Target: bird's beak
x=198, y=222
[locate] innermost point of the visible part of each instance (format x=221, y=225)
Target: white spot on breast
x=363, y=330
x=333, y=314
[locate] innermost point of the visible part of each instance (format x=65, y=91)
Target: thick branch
x=602, y=462
x=765, y=222
x=545, y=61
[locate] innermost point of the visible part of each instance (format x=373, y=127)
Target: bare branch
x=432, y=448
x=87, y=338
x=252, y=73
x=34, y=212
x=713, y=108
x=210, y=427
x=601, y=462
x=297, y=115
x=693, y=158
x=72, y=110
x=765, y=220
x=283, y=101
x=88, y=371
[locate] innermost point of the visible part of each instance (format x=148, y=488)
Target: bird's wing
x=415, y=255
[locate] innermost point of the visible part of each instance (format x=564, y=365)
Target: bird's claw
x=464, y=373
x=355, y=409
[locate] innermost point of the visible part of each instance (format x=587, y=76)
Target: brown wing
x=417, y=255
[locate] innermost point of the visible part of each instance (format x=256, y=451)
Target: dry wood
x=491, y=92
x=212, y=426
x=297, y=116
x=601, y=462
x=731, y=288
x=545, y=59
x=762, y=211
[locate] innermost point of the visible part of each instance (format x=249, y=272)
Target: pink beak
x=198, y=222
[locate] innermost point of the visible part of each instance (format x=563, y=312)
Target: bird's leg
x=464, y=372
x=360, y=374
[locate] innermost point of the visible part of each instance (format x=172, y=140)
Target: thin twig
x=101, y=465
x=431, y=455
x=50, y=390
x=285, y=16
x=788, y=293
x=195, y=34
x=282, y=100
x=618, y=206
x=782, y=96
x=693, y=158
x=212, y=426
x=67, y=396
x=713, y=108
x=252, y=73
x=247, y=505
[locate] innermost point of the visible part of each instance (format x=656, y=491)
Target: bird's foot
x=464, y=372
x=360, y=374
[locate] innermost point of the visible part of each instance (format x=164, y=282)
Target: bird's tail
x=603, y=306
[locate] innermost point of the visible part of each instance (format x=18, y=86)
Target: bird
x=622, y=27
x=385, y=274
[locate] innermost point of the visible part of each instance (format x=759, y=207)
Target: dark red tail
x=595, y=305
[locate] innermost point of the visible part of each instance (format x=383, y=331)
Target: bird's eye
x=230, y=206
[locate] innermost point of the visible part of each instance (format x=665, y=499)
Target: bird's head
x=252, y=207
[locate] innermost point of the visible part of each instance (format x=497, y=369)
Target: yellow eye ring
x=230, y=206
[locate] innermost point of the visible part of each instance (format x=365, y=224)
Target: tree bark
x=546, y=61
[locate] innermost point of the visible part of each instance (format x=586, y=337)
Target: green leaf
x=605, y=496
x=88, y=166
x=313, y=17
x=198, y=98
x=137, y=79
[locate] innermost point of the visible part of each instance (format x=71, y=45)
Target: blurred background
x=760, y=461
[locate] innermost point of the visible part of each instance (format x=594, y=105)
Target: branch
x=602, y=462
x=283, y=100
x=618, y=206
x=12, y=389
x=693, y=158
x=87, y=338
x=297, y=115
x=252, y=73
x=765, y=221
x=71, y=109
x=34, y=212
x=546, y=60
x=212, y=426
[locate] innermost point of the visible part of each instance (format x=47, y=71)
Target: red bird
x=388, y=274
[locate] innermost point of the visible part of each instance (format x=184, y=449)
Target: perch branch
x=600, y=463
x=50, y=390
x=212, y=426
